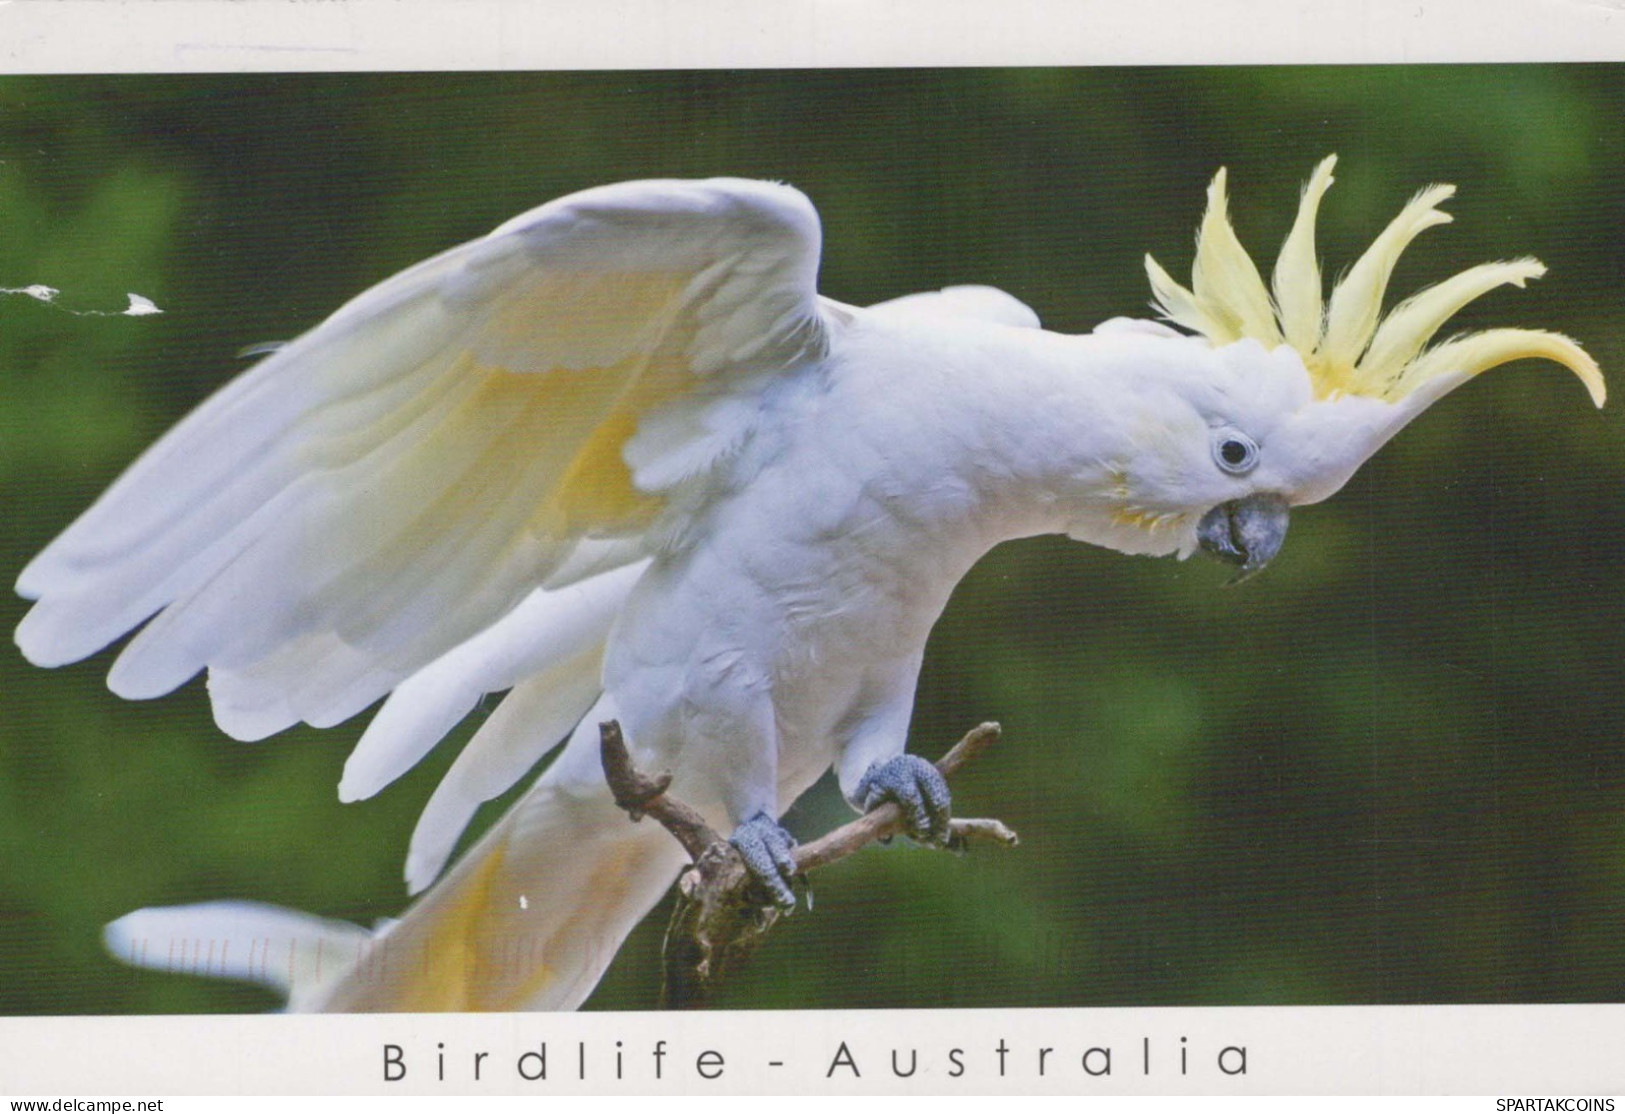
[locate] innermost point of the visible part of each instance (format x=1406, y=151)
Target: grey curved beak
x=1246, y=532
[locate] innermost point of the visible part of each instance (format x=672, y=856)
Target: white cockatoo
x=620, y=459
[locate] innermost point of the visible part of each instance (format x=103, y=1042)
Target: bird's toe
x=769, y=854
x=919, y=789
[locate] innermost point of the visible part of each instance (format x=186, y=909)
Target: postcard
x=447, y=496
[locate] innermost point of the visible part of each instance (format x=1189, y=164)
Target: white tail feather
x=527, y=920
x=291, y=952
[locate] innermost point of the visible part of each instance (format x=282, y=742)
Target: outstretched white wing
x=512, y=413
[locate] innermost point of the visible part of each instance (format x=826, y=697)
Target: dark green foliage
x=1392, y=769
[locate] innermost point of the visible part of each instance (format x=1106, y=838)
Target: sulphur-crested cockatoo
x=620, y=459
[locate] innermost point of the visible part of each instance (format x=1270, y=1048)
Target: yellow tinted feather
x=1178, y=304
x=1408, y=328
x=1297, y=272
x=1356, y=303
x=1224, y=278
x=1346, y=344
x=1479, y=352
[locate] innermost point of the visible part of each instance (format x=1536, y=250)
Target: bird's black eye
x=1234, y=452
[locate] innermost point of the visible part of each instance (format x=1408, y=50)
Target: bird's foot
x=919, y=789
x=767, y=850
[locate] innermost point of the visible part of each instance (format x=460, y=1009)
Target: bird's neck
x=1002, y=433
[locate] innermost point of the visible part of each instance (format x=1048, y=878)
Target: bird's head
x=1274, y=396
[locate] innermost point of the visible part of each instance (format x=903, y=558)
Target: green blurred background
x=1389, y=771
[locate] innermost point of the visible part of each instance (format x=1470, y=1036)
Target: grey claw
x=768, y=852
x=919, y=789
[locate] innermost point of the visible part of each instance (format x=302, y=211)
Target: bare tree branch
x=887, y=820
x=722, y=914
x=641, y=795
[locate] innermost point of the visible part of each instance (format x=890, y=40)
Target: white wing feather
x=529, y=722
x=383, y=489
x=548, y=629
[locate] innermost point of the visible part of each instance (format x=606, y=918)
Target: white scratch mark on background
x=139, y=306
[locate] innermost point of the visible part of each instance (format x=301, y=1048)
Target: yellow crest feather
x=1346, y=343
x=1297, y=273
x=1223, y=278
